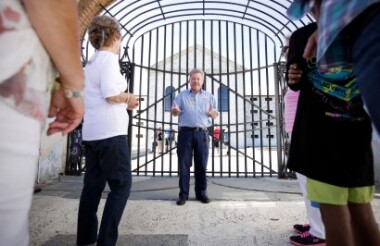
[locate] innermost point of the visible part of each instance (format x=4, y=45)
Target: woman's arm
x=57, y=25
x=124, y=97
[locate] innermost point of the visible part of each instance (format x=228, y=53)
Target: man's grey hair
x=196, y=70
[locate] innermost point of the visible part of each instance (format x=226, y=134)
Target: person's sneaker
x=307, y=239
x=301, y=228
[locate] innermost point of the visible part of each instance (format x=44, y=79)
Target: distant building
x=250, y=118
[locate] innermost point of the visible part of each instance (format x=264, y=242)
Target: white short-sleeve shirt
x=103, y=79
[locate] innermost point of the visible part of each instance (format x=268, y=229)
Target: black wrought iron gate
x=241, y=71
x=163, y=41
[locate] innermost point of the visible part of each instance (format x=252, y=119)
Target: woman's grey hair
x=103, y=31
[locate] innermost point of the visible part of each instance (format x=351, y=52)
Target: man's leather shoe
x=204, y=199
x=181, y=202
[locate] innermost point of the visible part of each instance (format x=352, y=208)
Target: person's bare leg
x=365, y=229
x=336, y=219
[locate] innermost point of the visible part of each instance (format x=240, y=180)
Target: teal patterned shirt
x=333, y=53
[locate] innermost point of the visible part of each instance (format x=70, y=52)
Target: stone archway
x=88, y=9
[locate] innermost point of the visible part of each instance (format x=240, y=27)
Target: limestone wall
x=52, y=157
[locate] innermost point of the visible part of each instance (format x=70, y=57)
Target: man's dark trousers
x=193, y=141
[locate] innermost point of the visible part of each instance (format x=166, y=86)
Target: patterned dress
x=331, y=138
x=24, y=78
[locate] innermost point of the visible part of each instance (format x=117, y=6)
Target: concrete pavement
x=243, y=211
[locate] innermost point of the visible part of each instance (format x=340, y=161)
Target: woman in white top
x=105, y=129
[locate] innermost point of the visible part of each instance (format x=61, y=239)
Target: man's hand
x=213, y=113
x=175, y=109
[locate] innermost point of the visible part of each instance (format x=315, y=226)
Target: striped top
x=291, y=102
x=333, y=48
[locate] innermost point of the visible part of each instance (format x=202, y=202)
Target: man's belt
x=193, y=129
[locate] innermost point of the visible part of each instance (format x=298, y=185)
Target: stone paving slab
x=127, y=240
x=242, y=212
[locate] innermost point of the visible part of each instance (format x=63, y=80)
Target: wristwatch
x=68, y=93
x=73, y=94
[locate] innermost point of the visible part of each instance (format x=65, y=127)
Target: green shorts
x=330, y=194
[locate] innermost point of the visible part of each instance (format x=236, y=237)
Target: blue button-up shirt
x=333, y=51
x=195, y=108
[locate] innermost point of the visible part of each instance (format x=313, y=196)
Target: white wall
x=52, y=157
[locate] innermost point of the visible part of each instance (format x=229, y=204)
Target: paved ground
x=243, y=211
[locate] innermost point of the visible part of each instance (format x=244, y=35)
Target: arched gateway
x=238, y=45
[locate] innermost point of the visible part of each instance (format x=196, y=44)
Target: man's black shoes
x=203, y=199
x=181, y=202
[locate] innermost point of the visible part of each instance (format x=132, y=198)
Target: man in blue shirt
x=195, y=108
